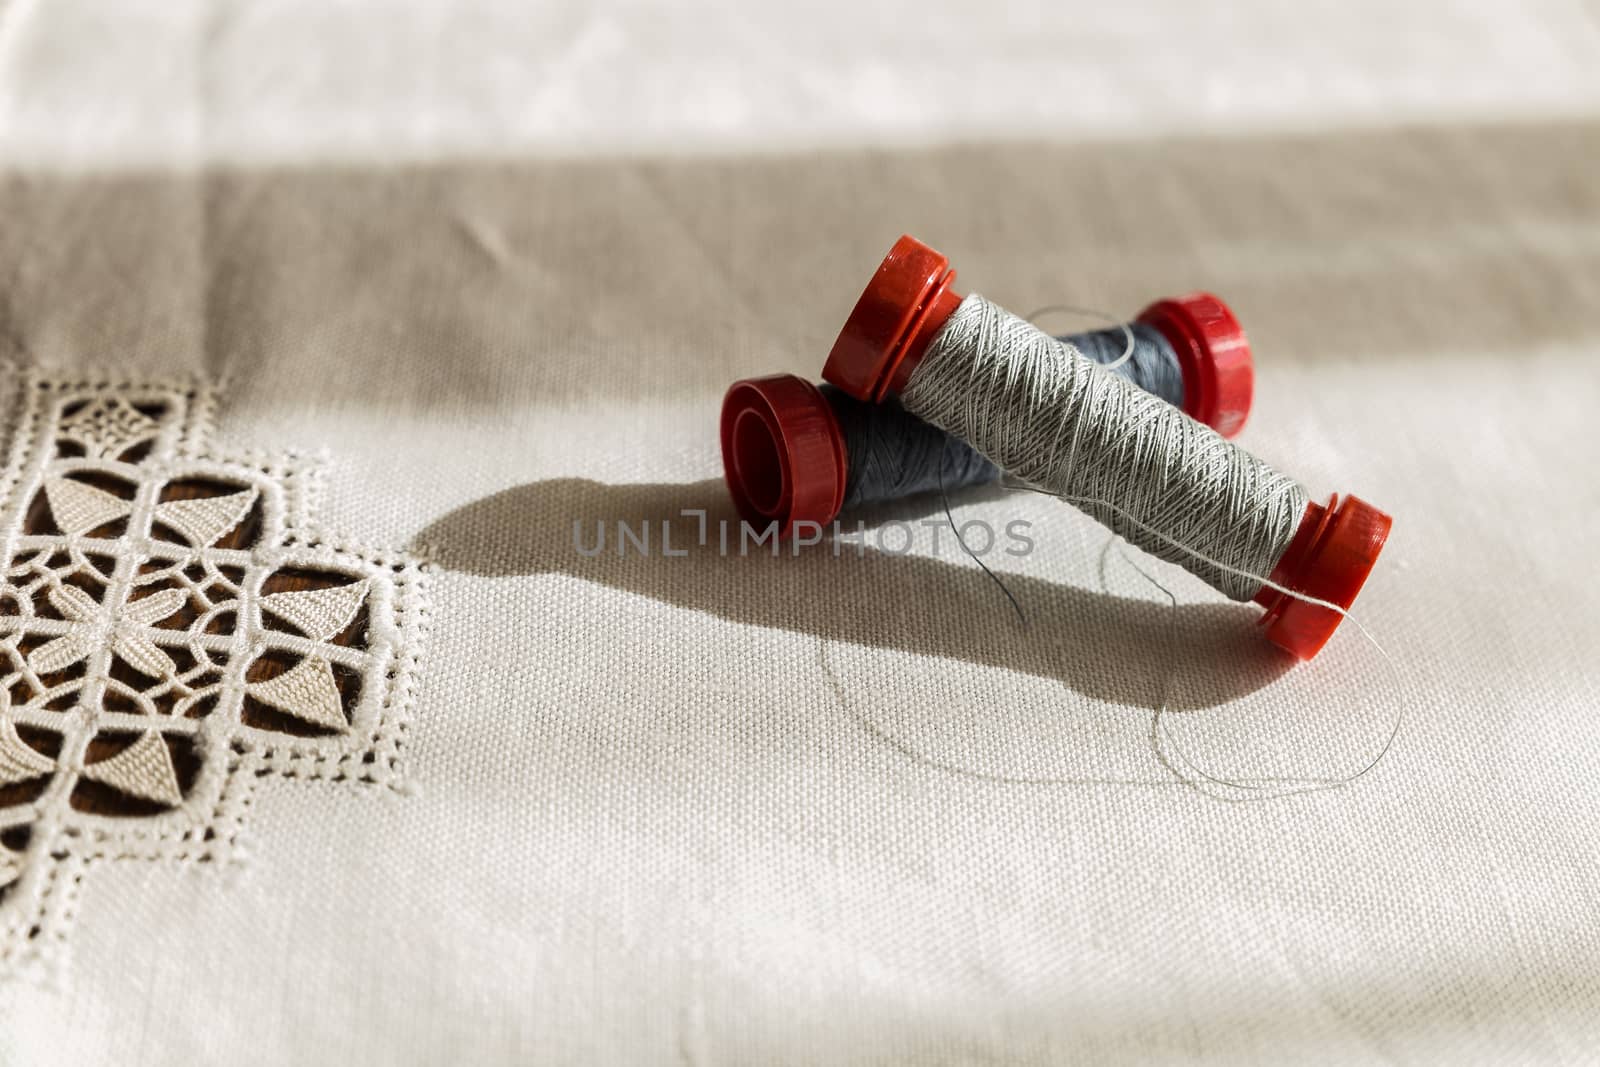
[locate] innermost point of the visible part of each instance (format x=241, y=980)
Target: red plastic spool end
x=783, y=454
x=1214, y=355
x=900, y=310
x=1329, y=559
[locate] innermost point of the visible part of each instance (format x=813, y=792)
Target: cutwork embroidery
x=172, y=628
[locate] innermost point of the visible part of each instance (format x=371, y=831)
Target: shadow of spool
x=1114, y=649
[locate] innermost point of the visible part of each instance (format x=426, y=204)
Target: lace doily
x=172, y=629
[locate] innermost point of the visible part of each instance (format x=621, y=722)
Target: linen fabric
x=492, y=268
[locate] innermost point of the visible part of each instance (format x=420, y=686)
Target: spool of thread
x=795, y=453
x=1056, y=420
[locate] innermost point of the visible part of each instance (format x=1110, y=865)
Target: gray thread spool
x=1042, y=411
x=1045, y=413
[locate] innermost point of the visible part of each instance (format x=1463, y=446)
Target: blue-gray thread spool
x=796, y=456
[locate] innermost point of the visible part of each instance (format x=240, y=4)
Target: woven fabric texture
x=491, y=270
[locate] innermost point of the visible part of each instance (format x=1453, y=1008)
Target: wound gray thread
x=1046, y=414
x=894, y=455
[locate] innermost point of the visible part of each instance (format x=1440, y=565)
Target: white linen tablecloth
x=490, y=266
